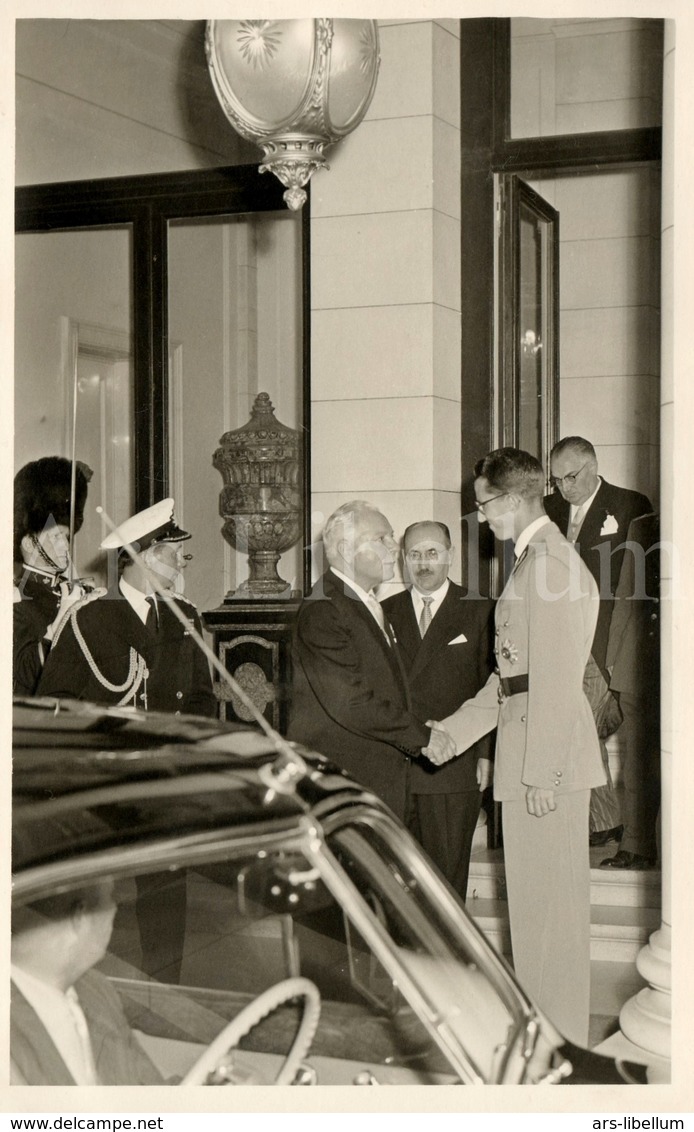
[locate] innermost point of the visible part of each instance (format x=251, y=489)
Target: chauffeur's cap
x=147, y=528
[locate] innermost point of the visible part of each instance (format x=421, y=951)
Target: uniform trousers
x=548, y=882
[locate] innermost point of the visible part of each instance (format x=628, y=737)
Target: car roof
x=87, y=778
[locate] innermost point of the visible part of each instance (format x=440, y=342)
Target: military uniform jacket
x=349, y=692
x=449, y=665
x=36, y=605
x=600, y=543
x=158, y=669
x=545, y=621
x=118, y=1058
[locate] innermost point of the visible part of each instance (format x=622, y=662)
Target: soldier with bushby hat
x=128, y=648
x=49, y=499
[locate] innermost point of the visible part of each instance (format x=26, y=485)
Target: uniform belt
x=513, y=685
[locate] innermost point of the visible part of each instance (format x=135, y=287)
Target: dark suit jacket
x=179, y=675
x=442, y=675
x=602, y=553
x=118, y=1057
x=349, y=692
x=633, y=647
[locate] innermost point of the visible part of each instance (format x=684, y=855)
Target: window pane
x=582, y=75
x=73, y=365
x=235, y=330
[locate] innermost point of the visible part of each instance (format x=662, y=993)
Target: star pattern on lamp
x=258, y=41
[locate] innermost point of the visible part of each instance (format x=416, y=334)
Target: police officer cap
x=148, y=528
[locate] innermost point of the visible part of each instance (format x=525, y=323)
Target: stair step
x=627, y=888
x=617, y=933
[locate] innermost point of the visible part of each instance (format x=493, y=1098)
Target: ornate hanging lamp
x=293, y=87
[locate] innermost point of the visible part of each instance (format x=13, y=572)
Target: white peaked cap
x=147, y=528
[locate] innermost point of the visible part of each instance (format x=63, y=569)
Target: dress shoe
x=623, y=859
x=604, y=836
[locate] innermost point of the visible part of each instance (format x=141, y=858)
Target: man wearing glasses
x=595, y=516
x=445, y=639
x=547, y=751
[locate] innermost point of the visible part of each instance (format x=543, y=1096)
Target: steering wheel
x=249, y=1017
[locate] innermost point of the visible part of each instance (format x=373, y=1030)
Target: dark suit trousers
x=641, y=776
x=444, y=825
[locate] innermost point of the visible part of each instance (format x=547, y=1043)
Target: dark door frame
x=488, y=148
x=147, y=203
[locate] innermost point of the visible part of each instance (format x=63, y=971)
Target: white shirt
x=527, y=533
x=370, y=601
x=437, y=597
x=56, y=1011
x=136, y=599
x=583, y=507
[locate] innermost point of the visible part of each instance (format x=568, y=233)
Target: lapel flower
x=610, y=526
x=509, y=651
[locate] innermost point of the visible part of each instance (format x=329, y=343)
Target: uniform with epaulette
x=108, y=654
x=127, y=647
x=546, y=738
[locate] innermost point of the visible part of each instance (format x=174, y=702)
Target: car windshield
x=255, y=932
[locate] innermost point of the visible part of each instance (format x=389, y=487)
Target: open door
x=527, y=370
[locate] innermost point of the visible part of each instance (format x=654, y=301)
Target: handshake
x=442, y=747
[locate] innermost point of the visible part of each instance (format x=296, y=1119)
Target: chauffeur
x=547, y=751
x=127, y=648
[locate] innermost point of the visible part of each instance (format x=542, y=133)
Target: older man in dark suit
x=446, y=641
x=350, y=698
x=595, y=515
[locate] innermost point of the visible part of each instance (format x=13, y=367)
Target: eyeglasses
x=481, y=505
x=431, y=555
x=570, y=477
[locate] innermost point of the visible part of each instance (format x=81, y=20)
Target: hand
x=485, y=773
x=539, y=801
x=69, y=596
x=441, y=747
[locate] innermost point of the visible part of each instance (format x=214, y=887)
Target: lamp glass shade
x=353, y=68
x=266, y=64
x=293, y=86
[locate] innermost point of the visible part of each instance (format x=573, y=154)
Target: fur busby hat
x=42, y=492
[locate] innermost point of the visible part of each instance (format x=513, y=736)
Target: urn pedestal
x=252, y=639
x=261, y=505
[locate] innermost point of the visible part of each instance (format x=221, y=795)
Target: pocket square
x=610, y=526
x=460, y=640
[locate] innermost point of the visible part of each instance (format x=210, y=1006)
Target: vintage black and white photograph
x=348, y=636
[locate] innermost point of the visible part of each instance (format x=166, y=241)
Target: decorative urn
x=260, y=502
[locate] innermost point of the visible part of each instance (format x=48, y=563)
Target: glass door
x=527, y=398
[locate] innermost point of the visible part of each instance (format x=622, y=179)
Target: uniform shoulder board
x=184, y=600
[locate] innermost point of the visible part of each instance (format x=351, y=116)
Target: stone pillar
x=385, y=290
x=645, y=1020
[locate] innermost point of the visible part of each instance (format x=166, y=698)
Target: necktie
x=375, y=607
x=575, y=525
x=425, y=616
x=152, y=621
x=82, y=1031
